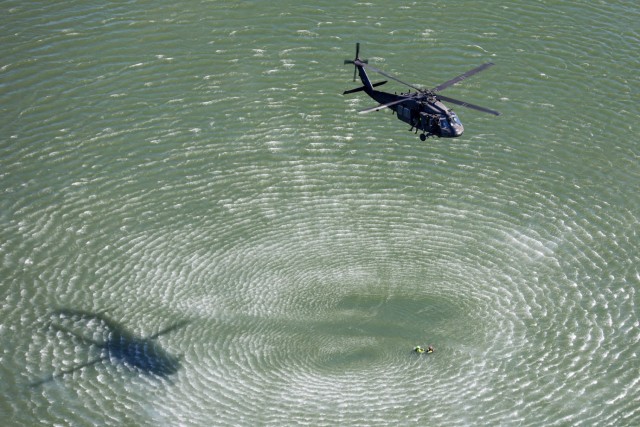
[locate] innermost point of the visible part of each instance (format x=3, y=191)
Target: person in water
x=418, y=349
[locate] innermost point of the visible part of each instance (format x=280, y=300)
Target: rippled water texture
x=191, y=209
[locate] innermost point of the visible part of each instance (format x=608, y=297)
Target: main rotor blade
x=466, y=104
x=463, y=76
x=377, y=70
x=381, y=106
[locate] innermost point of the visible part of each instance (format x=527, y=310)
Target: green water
x=195, y=161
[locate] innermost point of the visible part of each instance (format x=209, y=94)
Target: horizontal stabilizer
x=361, y=88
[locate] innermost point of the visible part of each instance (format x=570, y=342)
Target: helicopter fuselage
x=430, y=116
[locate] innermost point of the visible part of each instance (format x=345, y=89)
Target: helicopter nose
x=456, y=130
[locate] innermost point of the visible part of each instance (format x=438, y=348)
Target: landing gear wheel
x=423, y=137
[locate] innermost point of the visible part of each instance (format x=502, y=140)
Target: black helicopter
x=422, y=109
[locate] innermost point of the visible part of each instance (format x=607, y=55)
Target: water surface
x=167, y=162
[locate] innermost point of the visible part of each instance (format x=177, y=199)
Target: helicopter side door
x=404, y=113
x=410, y=116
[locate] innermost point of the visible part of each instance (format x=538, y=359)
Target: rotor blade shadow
x=170, y=328
x=118, y=345
x=61, y=374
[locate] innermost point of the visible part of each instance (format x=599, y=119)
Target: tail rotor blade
x=357, y=61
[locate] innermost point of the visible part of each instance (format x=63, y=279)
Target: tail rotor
x=357, y=58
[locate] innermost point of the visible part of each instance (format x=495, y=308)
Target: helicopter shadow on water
x=114, y=343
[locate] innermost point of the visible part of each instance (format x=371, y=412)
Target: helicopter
x=422, y=109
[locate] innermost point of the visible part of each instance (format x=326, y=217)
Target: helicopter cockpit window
x=453, y=118
x=444, y=124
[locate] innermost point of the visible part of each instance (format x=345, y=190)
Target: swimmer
x=419, y=349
